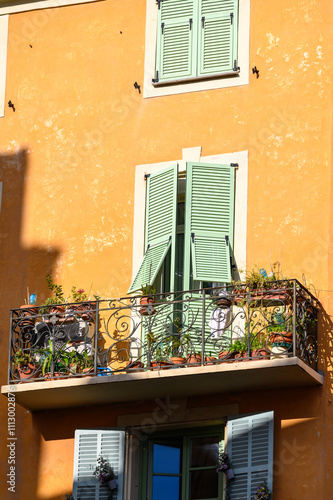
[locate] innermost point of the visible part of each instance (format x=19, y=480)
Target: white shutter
x=250, y=448
x=89, y=445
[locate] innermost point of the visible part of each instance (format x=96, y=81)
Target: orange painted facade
x=67, y=162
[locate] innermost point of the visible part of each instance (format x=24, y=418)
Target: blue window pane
x=167, y=458
x=166, y=488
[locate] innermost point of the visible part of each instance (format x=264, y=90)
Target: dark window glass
x=203, y=484
x=204, y=451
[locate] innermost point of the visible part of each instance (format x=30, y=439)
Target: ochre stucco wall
x=67, y=160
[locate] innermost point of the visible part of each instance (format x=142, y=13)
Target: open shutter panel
x=209, y=223
x=176, y=40
x=161, y=209
x=150, y=266
x=217, y=36
x=89, y=445
x=250, y=448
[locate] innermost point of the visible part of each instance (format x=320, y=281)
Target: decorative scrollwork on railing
x=197, y=327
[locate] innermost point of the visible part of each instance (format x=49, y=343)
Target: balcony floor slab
x=190, y=381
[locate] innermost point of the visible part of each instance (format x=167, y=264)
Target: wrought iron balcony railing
x=164, y=331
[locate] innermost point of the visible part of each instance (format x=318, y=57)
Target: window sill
x=197, y=79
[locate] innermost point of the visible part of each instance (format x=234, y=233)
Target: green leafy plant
x=78, y=295
x=147, y=290
x=22, y=358
x=239, y=346
x=60, y=359
x=59, y=297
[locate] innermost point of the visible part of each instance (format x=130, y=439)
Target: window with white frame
x=190, y=222
x=199, y=248
x=196, y=45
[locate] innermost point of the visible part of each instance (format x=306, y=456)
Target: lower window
x=182, y=465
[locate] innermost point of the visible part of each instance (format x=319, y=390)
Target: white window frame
x=193, y=154
x=242, y=78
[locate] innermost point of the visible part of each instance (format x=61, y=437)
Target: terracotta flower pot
x=26, y=311
x=260, y=354
x=135, y=365
x=159, y=365
x=146, y=306
x=210, y=360
x=226, y=356
x=177, y=360
x=282, y=338
x=85, y=310
x=194, y=359
x=26, y=371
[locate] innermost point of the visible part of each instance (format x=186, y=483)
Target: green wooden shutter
x=161, y=210
x=218, y=36
x=89, y=445
x=209, y=221
x=250, y=448
x=176, y=39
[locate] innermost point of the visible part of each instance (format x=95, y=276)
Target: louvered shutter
x=209, y=220
x=161, y=209
x=250, y=448
x=176, y=39
x=89, y=445
x=218, y=35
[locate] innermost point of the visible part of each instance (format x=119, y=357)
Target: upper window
x=196, y=39
x=189, y=234
x=196, y=45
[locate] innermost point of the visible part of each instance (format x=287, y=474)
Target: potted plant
x=25, y=364
x=262, y=492
x=158, y=351
x=54, y=364
x=178, y=344
x=224, y=465
x=258, y=351
x=105, y=474
x=147, y=299
x=52, y=304
x=240, y=349
x=86, y=310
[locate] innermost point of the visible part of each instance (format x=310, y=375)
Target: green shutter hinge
x=227, y=240
x=234, y=165
x=159, y=3
x=192, y=236
x=162, y=27
x=191, y=21
x=236, y=68
x=155, y=80
x=231, y=17
x=146, y=176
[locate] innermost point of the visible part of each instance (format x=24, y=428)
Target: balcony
x=185, y=343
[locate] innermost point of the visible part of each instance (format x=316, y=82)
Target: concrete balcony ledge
x=191, y=381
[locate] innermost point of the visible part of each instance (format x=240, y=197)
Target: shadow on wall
x=325, y=347
x=20, y=266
